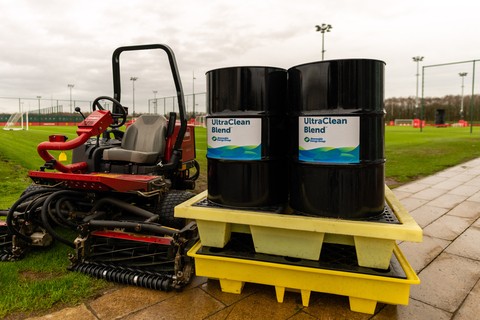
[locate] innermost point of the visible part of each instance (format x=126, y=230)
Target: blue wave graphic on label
x=235, y=152
x=332, y=155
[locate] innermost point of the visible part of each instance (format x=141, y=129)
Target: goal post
x=404, y=122
x=16, y=121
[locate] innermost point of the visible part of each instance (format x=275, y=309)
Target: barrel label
x=234, y=138
x=329, y=139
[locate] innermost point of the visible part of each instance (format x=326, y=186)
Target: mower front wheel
x=167, y=206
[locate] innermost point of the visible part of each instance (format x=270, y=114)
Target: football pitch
x=409, y=153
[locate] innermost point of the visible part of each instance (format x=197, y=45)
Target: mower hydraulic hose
x=68, y=145
x=45, y=210
x=60, y=216
x=126, y=206
x=137, y=226
x=11, y=212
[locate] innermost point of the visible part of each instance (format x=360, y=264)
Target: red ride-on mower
x=118, y=194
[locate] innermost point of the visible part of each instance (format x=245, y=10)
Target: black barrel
x=246, y=136
x=336, y=111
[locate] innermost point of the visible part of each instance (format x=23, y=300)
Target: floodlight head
x=324, y=27
x=462, y=74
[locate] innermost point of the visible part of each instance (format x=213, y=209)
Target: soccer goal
x=15, y=122
x=404, y=122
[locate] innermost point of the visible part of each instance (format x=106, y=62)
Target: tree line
x=404, y=108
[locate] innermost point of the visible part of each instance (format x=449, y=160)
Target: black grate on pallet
x=387, y=216
x=333, y=257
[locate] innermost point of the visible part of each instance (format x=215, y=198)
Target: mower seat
x=143, y=141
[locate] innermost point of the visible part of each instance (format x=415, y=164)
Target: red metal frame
x=133, y=237
x=188, y=144
x=96, y=181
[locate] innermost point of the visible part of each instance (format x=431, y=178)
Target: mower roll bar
x=176, y=155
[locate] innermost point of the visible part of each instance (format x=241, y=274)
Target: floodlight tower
x=323, y=28
x=193, y=92
x=462, y=75
x=417, y=59
x=133, y=79
x=155, y=101
x=39, y=97
x=70, y=86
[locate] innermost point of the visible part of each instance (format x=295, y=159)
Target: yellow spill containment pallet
x=363, y=290
x=301, y=236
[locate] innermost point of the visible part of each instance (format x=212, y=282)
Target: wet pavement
x=447, y=207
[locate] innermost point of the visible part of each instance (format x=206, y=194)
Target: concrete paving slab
x=126, y=300
x=464, y=190
x=419, y=255
x=470, y=308
x=263, y=305
x=302, y=315
x=475, y=197
x=474, y=182
x=411, y=203
x=426, y=214
x=329, y=306
x=463, y=177
x=428, y=194
x=80, y=312
x=447, y=281
x=448, y=201
x=476, y=223
x=431, y=180
x=467, y=244
x=448, y=184
x=449, y=173
x=401, y=194
x=447, y=227
x=412, y=187
x=466, y=209
x=191, y=304
x=472, y=163
x=416, y=310
x=212, y=287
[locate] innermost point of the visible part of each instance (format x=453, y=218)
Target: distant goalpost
x=404, y=122
x=16, y=122
x=473, y=62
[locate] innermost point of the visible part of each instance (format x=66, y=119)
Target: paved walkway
x=447, y=207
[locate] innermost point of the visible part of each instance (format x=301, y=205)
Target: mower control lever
x=77, y=109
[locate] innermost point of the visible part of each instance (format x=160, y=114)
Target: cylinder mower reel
x=118, y=194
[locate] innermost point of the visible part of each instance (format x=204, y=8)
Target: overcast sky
x=45, y=45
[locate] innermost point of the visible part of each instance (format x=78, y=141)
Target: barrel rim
x=246, y=67
x=337, y=60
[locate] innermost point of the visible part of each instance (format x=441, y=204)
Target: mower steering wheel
x=116, y=106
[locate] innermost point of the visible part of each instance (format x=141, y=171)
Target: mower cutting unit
x=118, y=195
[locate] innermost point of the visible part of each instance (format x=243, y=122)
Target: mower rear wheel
x=167, y=205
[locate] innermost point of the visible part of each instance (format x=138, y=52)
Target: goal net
x=15, y=122
x=404, y=122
